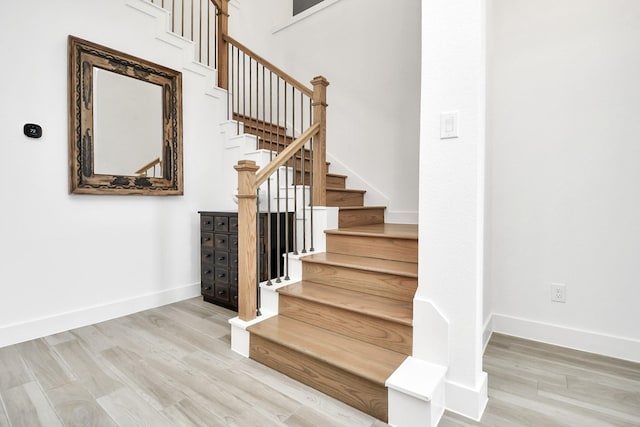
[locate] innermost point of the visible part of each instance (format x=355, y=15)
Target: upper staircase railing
x=287, y=118
x=204, y=22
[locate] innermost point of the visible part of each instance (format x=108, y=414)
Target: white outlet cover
x=558, y=292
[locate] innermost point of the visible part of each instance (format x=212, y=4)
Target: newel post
x=223, y=46
x=247, y=306
x=319, y=103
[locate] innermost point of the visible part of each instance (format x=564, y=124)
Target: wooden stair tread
x=345, y=208
x=372, y=305
x=400, y=268
x=336, y=175
x=365, y=360
x=396, y=231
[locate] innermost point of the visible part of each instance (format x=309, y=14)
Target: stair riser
x=355, y=391
x=385, y=285
x=339, y=198
x=332, y=181
x=278, y=146
x=252, y=123
x=374, y=247
x=336, y=181
x=350, y=218
x=383, y=333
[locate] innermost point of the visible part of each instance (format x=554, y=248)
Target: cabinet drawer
x=206, y=239
x=207, y=273
x=221, y=275
x=233, y=260
x=221, y=241
x=206, y=255
x=233, y=224
x=206, y=289
x=221, y=259
x=222, y=292
x=206, y=223
x=234, y=296
x=221, y=223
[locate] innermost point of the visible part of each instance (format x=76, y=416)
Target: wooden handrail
x=148, y=166
x=286, y=77
x=285, y=155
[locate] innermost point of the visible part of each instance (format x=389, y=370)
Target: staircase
x=347, y=326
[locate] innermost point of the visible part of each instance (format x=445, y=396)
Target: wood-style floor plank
x=77, y=407
x=13, y=371
x=150, y=369
x=532, y=383
x=129, y=409
x=87, y=368
x=4, y=421
x=276, y=407
x=93, y=339
x=44, y=364
x=27, y=406
x=187, y=413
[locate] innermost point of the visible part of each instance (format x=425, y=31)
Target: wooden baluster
x=320, y=141
x=247, y=279
x=223, y=29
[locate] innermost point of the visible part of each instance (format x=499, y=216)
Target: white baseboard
x=578, y=339
x=467, y=401
x=44, y=326
x=487, y=331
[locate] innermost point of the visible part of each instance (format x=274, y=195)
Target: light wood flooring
x=172, y=366
x=535, y=384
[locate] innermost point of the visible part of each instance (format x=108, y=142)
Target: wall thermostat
x=32, y=130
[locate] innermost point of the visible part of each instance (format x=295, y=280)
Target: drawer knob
x=221, y=224
x=221, y=275
x=221, y=258
x=207, y=272
x=208, y=222
x=221, y=241
x=207, y=256
x=208, y=288
x=221, y=292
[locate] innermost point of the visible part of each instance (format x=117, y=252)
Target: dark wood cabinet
x=219, y=253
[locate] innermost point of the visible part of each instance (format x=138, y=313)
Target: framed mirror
x=125, y=123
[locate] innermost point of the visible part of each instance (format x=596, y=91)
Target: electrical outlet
x=558, y=292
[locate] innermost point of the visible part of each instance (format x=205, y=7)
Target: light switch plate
x=449, y=125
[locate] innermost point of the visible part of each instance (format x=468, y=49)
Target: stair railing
x=204, y=22
x=289, y=120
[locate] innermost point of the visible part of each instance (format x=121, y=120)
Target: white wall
x=67, y=260
x=370, y=53
x=564, y=180
x=448, y=304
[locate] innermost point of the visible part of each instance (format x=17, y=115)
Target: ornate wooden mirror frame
x=84, y=56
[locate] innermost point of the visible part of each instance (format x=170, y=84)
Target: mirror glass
x=125, y=123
